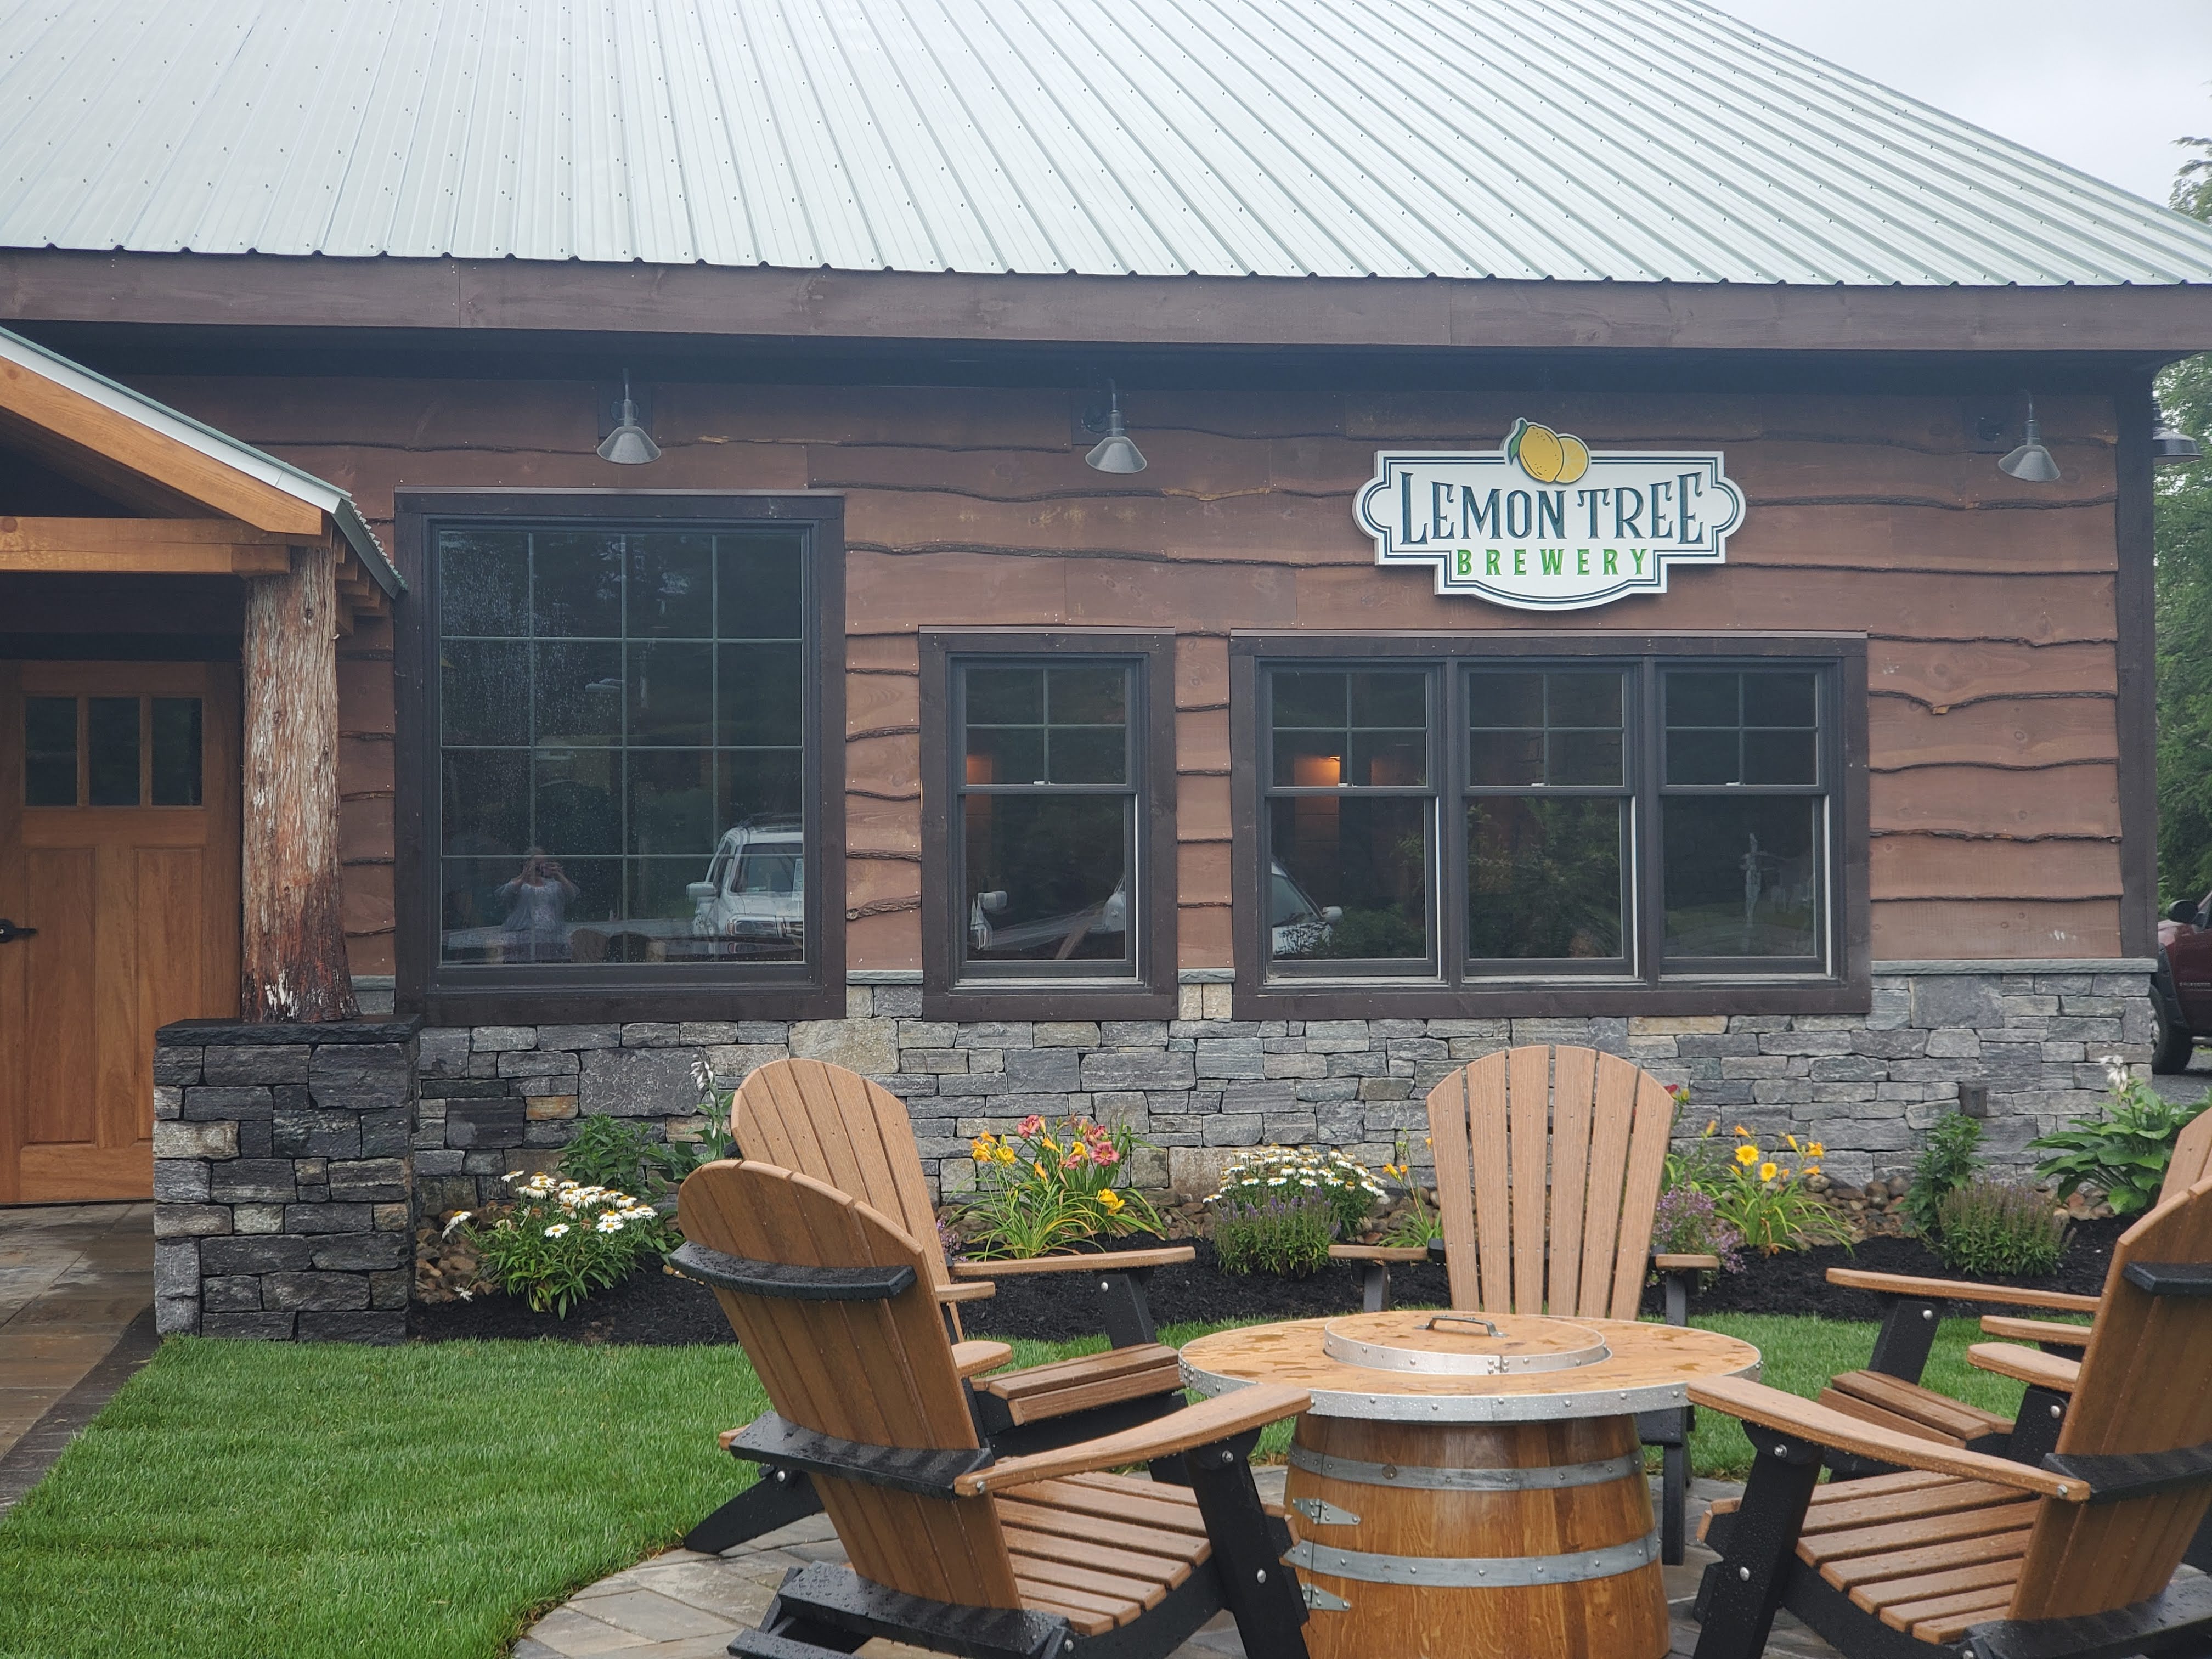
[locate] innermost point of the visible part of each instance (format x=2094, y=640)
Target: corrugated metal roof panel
x=1628, y=140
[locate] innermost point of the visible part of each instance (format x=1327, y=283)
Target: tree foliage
x=2185, y=601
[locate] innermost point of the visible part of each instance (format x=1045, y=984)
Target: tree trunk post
x=293, y=955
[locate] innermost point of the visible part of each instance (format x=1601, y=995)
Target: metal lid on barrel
x=1461, y=1343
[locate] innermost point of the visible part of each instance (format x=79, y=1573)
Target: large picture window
x=624, y=718
x=1541, y=822
x=1048, y=872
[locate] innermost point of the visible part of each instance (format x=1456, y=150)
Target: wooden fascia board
x=168, y=547
x=93, y=426
x=507, y=296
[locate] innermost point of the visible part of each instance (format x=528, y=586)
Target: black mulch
x=658, y=1309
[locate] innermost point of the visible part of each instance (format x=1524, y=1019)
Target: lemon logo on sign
x=1544, y=523
x=1547, y=456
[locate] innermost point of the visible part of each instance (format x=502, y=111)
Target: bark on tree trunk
x=293, y=960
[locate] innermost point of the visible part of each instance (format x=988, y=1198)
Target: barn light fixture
x=1116, y=452
x=2030, y=462
x=629, y=444
x=2170, y=446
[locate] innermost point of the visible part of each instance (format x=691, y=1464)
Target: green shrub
x=2123, y=1149
x=559, y=1242
x=2000, y=1227
x=620, y=1153
x=1288, y=1172
x=1947, y=1161
x=1286, y=1235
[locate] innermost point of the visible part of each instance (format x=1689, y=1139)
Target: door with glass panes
x=119, y=887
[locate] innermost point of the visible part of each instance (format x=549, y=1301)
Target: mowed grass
x=312, y=1501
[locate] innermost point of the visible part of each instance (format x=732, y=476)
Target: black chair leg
x=1741, y=1592
x=779, y=1498
x=1260, y=1592
x=1374, y=1287
x=1673, y=1503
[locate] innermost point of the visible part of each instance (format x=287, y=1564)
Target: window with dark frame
x=621, y=713
x=1049, y=797
x=1625, y=821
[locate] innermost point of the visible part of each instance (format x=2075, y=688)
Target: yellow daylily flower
x=1768, y=1170
x=1747, y=1155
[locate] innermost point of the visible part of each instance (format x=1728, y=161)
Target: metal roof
x=266, y=469
x=1632, y=140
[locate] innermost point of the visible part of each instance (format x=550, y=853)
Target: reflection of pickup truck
x=1300, y=927
x=2181, y=989
x=756, y=887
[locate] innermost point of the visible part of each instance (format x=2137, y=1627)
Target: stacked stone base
x=283, y=1180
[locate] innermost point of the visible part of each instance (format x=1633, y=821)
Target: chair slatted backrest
x=2145, y=1388
x=1549, y=1164
x=2192, y=1158
x=835, y=1125
x=877, y=1372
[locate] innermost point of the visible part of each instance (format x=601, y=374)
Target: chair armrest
x=1953, y=1290
x=1088, y=1262
x=2036, y=1330
x=1378, y=1252
x=1687, y=1264
x=971, y=1358
x=1771, y=1408
x=1219, y=1419
x=2030, y=1365
x=963, y=1292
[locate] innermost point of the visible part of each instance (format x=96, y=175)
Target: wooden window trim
x=1847, y=990
x=1151, y=993
x=576, y=995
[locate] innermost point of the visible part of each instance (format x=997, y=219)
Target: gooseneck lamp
x=629, y=444
x=1116, y=452
x=2030, y=462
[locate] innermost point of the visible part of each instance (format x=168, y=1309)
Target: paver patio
x=76, y=1283
x=686, y=1606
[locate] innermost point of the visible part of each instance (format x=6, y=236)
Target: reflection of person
x=537, y=900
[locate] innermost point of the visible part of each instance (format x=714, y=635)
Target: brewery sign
x=1544, y=523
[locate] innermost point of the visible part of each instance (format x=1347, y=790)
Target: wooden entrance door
x=118, y=876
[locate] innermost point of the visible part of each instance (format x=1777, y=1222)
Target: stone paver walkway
x=76, y=1286
x=683, y=1606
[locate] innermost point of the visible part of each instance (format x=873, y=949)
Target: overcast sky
x=2104, y=85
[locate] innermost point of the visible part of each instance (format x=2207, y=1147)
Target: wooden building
x=1571, y=589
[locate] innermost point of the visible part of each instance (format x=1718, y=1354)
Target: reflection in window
x=50, y=752
x=1048, y=795
x=176, y=759
x=1350, y=817
x=621, y=745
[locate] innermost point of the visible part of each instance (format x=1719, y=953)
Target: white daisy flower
x=558, y=1230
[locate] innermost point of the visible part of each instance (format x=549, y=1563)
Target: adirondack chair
x=1888, y=1391
x=2072, y=1556
x=1549, y=1164
x=837, y=1126
x=953, y=1548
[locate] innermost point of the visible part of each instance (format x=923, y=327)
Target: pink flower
x=1105, y=1156
x=1030, y=1125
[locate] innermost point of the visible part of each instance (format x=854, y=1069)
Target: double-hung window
x=1047, y=874
x=621, y=717
x=1556, y=823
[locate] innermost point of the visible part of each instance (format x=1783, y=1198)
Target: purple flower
x=1686, y=1224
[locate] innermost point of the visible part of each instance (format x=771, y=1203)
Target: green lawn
x=311, y=1500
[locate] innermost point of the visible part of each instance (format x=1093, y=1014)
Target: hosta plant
x=2122, y=1150
x=554, y=1242
x=1291, y=1172
x=1050, y=1186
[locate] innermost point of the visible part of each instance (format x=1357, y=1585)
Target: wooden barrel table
x=1472, y=1485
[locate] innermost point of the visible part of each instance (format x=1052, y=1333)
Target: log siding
x=1992, y=608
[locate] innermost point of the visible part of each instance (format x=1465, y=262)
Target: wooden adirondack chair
x=1888, y=1391
x=837, y=1126
x=952, y=1548
x=1584, y=1134
x=1989, y=1558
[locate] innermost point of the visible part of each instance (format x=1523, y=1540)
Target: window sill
x=1001, y=1000
x=1550, y=999
x=572, y=1004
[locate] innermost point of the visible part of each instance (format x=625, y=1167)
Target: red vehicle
x=2181, y=990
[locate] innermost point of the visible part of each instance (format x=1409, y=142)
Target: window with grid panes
x=621, y=716
x=1626, y=820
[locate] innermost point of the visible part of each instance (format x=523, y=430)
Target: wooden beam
x=168, y=547
x=107, y=433
x=293, y=960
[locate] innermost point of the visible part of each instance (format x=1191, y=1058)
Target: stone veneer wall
x=283, y=1179
x=500, y=1098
